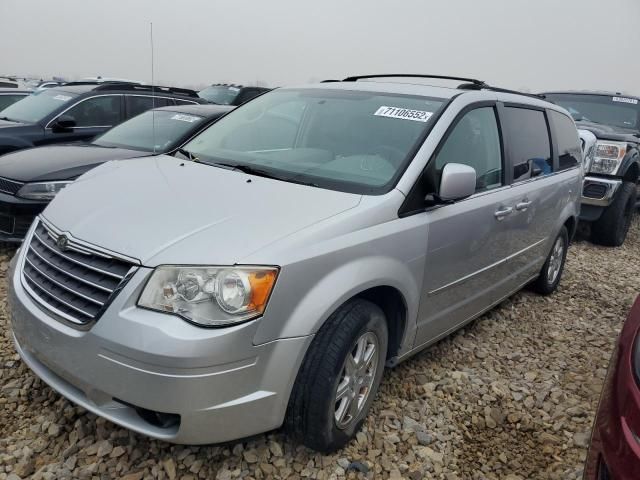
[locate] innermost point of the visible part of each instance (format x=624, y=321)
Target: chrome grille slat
x=66, y=257
x=35, y=284
x=75, y=289
x=71, y=290
x=79, y=279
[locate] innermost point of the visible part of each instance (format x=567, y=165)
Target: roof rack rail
x=145, y=88
x=414, y=75
x=469, y=83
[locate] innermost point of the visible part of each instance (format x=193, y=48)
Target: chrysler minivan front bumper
x=156, y=374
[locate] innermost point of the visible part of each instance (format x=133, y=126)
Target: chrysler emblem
x=62, y=242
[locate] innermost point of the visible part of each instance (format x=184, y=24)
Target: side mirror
x=64, y=122
x=457, y=182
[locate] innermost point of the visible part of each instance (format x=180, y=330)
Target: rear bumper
x=16, y=216
x=214, y=385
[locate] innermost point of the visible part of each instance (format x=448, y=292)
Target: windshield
x=139, y=132
x=618, y=111
x=342, y=140
x=220, y=94
x=37, y=106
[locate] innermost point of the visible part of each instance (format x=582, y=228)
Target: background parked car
x=611, y=189
x=224, y=94
x=614, y=453
x=80, y=111
x=29, y=179
x=9, y=96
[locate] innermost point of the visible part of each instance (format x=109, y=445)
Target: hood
x=59, y=162
x=161, y=210
x=609, y=132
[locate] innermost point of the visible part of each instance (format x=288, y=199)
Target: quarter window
x=475, y=141
x=529, y=144
x=97, y=112
x=569, y=149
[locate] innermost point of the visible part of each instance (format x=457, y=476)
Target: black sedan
x=29, y=179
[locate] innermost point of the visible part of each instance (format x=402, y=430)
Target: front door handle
x=503, y=212
x=522, y=206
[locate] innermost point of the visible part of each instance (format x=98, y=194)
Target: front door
x=469, y=242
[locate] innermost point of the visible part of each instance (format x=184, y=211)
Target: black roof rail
x=145, y=88
x=469, y=83
x=414, y=75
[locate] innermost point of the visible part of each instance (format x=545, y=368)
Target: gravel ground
x=511, y=396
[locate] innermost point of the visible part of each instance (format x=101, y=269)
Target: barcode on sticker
x=185, y=118
x=62, y=98
x=632, y=101
x=403, y=113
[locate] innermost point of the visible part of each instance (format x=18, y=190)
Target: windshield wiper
x=7, y=119
x=246, y=169
x=187, y=154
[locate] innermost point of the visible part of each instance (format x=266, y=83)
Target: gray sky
x=534, y=44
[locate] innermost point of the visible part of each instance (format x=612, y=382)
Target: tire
x=313, y=406
x=551, y=273
x=612, y=227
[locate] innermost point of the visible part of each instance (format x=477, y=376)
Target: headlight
x=210, y=296
x=41, y=191
x=608, y=157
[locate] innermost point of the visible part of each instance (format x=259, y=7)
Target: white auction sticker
x=403, y=113
x=62, y=98
x=633, y=101
x=185, y=118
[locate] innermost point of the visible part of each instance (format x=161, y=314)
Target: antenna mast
x=153, y=96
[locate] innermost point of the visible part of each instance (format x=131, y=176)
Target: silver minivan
x=267, y=274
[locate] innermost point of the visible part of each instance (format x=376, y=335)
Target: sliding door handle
x=503, y=212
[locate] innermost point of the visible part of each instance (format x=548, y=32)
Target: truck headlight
x=209, y=296
x=608, y=157
x=41, y=190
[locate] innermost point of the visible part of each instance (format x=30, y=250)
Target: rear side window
x=137, y=104
x=569, y=149
x=475, y=141
x=529, y=144
x=97, y=112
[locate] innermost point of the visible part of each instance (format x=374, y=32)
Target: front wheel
x=612, y=227
x=551, y=273
x=339, y=377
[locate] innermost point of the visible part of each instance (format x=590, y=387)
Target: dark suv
x=611, y=189
x=80, y=111
x=225, y=94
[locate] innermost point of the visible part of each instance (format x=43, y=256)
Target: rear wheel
x=612, y=227
x=551, y=273
x=339, y=377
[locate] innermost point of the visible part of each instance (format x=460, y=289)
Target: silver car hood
x=163, y=210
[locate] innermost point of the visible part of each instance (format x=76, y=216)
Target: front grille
x=595, y=190
x=70, y=279
x=10, y=186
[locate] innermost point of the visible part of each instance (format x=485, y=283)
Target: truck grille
x=9, y=186
x=70, y=279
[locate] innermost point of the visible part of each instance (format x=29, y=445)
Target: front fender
x=332, y=290
x=630, y=160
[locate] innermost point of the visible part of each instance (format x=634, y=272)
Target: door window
x=97, y=112
x=475, y=141
x=569, y=149
x=529, y=144
x=137, y=104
